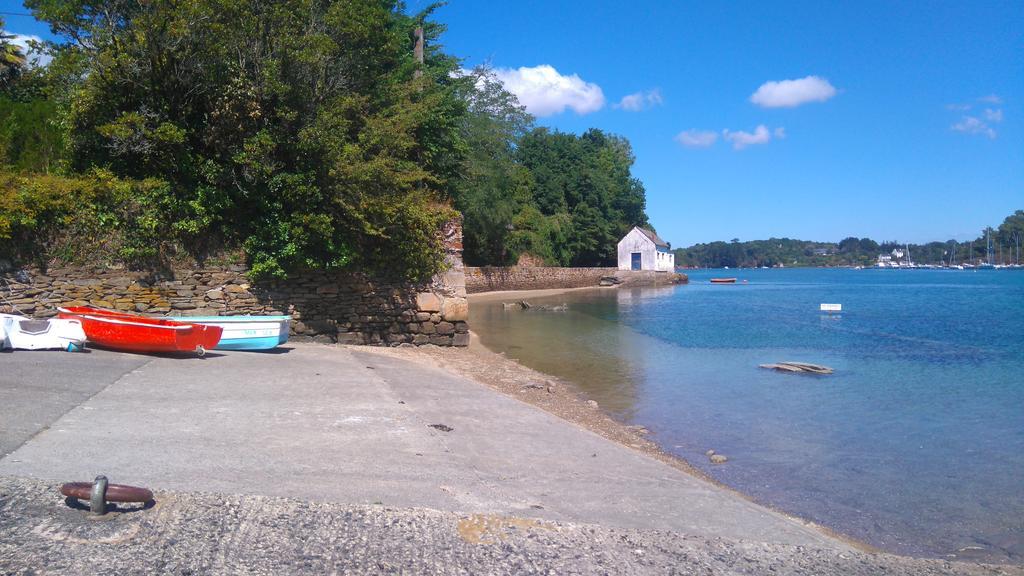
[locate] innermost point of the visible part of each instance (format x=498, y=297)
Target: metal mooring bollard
x=101, y=491
x=97, y=499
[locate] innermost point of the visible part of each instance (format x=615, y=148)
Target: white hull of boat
x=22, y=333
x=247, y=332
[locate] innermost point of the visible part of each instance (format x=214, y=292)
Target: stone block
x=455, y=309
x=461, y=327
x=215, y=294
x=421, y=339
x=439, y=340
x=423, y=316
x=428, y=328
x=428, y=302
x=350, y=338
x=453, y=279
x=460, y=340
x=445, y=328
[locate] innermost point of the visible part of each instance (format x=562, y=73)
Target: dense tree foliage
x=296, y=129
x=305, y=133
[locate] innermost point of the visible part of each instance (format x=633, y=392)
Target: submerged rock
x=718, y=459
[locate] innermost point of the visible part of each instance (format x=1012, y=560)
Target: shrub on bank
x=94, y=218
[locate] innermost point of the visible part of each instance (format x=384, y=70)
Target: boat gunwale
x=231, y=319
x=113, y=320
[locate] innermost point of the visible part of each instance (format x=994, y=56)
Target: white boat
x=246, y=332
x=22, y=333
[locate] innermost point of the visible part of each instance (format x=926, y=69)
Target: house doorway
x=634, y=261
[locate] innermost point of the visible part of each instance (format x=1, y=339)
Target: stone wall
x=494, y=278
x=327, y=307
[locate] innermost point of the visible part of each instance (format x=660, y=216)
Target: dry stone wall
x=495, y=278
x=491, y=278
x=349, y=308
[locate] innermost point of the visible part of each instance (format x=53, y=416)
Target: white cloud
x=973, y=125
x=741, y=139
x=638, y=101
x=696, y=138
x=994, y=115
x=792, y=93
x=545, y=92
x=23, y=41
x=780, y=133
x=991, y=99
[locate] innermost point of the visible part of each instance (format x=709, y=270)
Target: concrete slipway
x=315, y=449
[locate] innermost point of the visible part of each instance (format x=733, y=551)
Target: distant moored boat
x=723, y=280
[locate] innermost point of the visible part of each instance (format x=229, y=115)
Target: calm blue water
x=915, y=444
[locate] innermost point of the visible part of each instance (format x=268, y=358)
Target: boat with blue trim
x=247, y=332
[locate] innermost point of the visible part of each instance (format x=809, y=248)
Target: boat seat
x=34, y=326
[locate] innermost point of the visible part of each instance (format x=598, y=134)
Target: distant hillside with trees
x=1007, y=242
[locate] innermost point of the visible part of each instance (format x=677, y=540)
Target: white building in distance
x=642, y=249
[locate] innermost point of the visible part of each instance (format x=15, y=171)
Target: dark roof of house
x=654, y=237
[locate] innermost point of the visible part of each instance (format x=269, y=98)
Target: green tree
x=494, y=188
x=12, y=59
x=295, y=129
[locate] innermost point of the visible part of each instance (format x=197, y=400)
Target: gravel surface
x=201, y=533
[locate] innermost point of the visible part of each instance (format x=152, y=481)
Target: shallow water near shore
x=914, y=445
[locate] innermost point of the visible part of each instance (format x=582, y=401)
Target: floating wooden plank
x=798, y=367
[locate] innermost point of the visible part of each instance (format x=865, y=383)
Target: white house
x=641, y=249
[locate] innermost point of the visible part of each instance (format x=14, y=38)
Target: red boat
x=723, y=280
x=135, y=333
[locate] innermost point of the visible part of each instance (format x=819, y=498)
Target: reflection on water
x=581, y=346
x=916, y=444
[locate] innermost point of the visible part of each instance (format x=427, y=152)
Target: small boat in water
x=134, y=333
x=20, y=333
x=723, y=280
x=247, y=332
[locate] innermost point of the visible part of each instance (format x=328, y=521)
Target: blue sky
x=905, y=121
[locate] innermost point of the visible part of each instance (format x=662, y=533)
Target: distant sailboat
x=952, y=259
x=987, y=264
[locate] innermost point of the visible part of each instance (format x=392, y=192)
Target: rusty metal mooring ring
x=100, y=492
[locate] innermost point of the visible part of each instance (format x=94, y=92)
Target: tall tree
x=294, y=128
